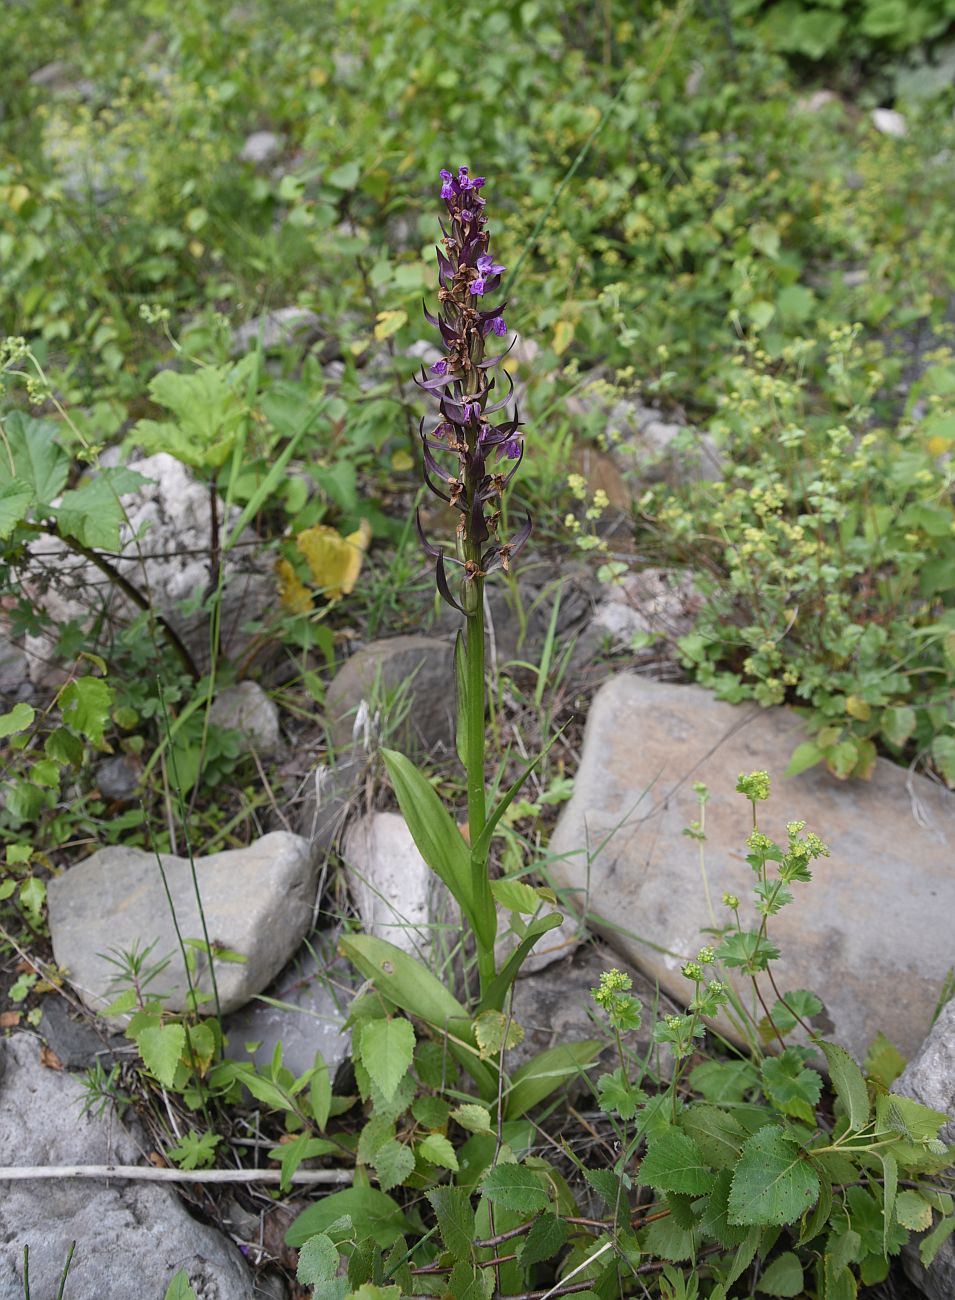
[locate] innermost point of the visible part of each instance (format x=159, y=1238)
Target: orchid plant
x=469, y=462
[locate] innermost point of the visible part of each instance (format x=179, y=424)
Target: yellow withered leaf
x=334, y=561
x=292, y=590
x=856, y=707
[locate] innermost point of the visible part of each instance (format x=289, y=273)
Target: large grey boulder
x=872, y=933
x=407, y=686
x=131, y=1237
x=165, y=554
x=930, y=1078
x=258, y=901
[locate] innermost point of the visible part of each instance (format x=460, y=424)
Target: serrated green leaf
x=719, y=1136
x=393, y=1162
x=16, y=498
x=516, y=896
x=724, y=1081
x=161, y=1047
x=18, y=719
x=773, y=1182
x=317, y=1260
x=544, y=1240
x=93, y=513
x=791, y=1086
x=913, y=1211
x=849, y=1084
x=804, y=756
x=32, y=897
x=673, y=1164
x=474, y=1118
x=84, y=706
x=515, y=1187
x=665, y=1239
x=455, y=1215
x=884, y=1062
x=783, y=1277
x=437, y=1150
x=38, y=460
x=387, y=1050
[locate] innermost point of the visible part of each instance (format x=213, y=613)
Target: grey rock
x=275, y=329
x=396, y=895
x=15, y=683
x=165, y=551
x=246, y=708
x=929, y=1078
x=131, y=1237
x=406, y=684
x=258, y=901
x=871, y=935
x=658, y=603
x=313, y=991
x=77, y=1042
x=261, y=147
x=117, y=778
x=643, y=442
x=555, y=1006
x=327, y=800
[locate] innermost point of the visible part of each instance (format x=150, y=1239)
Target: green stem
x=477, y=798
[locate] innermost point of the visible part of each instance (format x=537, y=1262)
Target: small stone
x=870, y=935
x=658, y=603
x=329, y=795
x=392, y=886
x=889, y=122
x=131, y=1237
x=261, y=147
x=246, y=708
x=117, y=778
x=275, y=329
x=313, y=991
x=407, y=686
x=15, y=684
x=258, y=901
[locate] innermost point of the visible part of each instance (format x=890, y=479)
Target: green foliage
x=839, y=27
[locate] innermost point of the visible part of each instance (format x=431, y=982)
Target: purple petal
x=440, y=368
x=477, y=287
x=498, y=326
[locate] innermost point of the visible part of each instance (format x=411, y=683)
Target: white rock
x=391, y=884
x=261, y=147
x=889, y=122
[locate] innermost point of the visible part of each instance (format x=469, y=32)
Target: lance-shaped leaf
x=497, y=988
x=432, y=827
x=546, y=1072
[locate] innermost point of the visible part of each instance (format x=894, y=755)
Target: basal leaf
x=179, y=1288
x=774, y=1182
x=38, y=460
x=791, y=1086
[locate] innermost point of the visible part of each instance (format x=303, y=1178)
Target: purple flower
x=487, y=266
x=463, y=178
x=498, y=326
x=512, y=448
x=477, y=286
x=467, y=214
x=440, y=368
x=447, y=189
x=472, y=410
